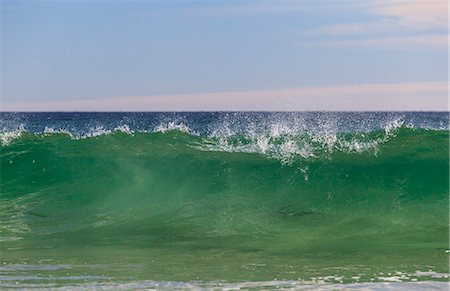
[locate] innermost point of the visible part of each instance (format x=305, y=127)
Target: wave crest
x=280, y=138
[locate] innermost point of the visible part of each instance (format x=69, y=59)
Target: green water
x=166, y=207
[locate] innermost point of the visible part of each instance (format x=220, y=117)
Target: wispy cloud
x=264, y=7
x=398, y=42
x=397, y=22
x=363, y=97
x=421, y=14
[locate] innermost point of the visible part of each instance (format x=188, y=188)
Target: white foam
x=51, y=130
x=285, y=146
x=172, y=126
x=287, y=139
x=104, y=283
x=391, y=127
x=8, y=136
x=93, y=132
x=124, y=128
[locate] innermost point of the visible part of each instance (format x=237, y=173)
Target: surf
x=272, y=197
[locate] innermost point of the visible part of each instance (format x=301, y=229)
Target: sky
x=202, y=55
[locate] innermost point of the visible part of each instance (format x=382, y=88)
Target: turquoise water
x=175, y=208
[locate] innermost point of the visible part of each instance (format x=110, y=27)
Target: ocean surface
x=210, y=200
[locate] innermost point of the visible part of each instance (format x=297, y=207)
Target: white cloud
x=363, y=97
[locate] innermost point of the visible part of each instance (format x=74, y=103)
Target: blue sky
x=105, y=55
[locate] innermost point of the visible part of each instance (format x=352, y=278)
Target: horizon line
x=418, y=96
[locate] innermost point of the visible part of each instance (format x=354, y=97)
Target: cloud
x=398, y=23
x=353, y=28
x=430, y=14
x=398, y=42
x=363, y=97
x=264, y=7
x=396, y=16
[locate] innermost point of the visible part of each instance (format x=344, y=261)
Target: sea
x=224, y=200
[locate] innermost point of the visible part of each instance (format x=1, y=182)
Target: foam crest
x=359, y=146
x=287, y=148
x=7, y=137
x=51, y=130
x=172, y=126
x=91, y=133
x=289, y=140
x=282, y=136
x=99, y=131
x=391, y=127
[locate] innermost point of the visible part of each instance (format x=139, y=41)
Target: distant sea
x=207, y=200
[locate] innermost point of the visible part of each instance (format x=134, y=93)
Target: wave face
x=338, y=197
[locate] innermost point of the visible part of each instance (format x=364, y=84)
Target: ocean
x=224, y=200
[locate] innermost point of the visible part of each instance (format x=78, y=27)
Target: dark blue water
x=208, y=123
